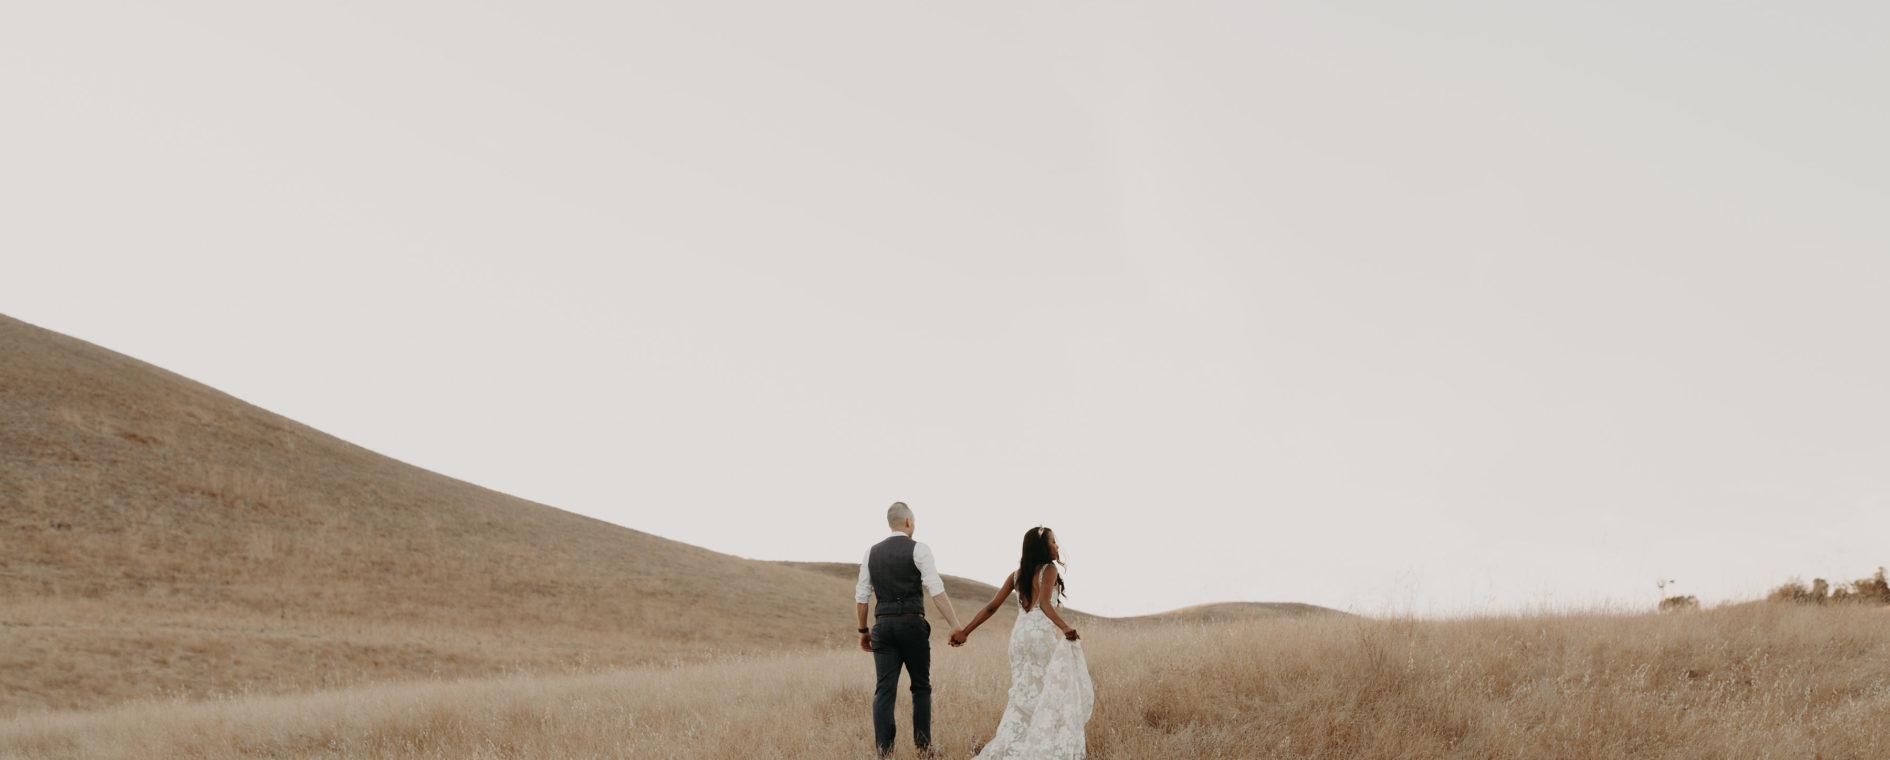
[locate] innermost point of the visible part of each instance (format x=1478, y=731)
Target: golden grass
x=1757, y=681
x=164, y=543
x=158, y=537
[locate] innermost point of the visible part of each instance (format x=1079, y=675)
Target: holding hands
x=961, y=635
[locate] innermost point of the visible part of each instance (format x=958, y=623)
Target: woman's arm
x=1050, y=610
x=990, y=608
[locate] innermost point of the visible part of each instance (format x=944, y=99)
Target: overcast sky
x=1434, y=307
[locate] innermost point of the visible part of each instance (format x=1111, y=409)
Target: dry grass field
x=160, y=538
x=183, y=575
x=1755, y=681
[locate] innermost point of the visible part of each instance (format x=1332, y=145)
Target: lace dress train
x=1050, y=699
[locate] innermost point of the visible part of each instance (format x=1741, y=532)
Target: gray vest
x=896, y=581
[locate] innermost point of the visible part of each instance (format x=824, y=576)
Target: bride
x=1051, y=694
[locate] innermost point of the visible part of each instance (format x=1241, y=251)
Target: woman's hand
x=959, y=637
x=1070, y=633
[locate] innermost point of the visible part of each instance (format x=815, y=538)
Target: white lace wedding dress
x=1051, y=695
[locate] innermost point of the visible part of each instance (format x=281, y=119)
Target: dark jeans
x=907, y=642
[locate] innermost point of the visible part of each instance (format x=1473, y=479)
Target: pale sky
x=1445, y=308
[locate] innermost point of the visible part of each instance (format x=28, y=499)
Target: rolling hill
x=163, y=538
x=159, y=538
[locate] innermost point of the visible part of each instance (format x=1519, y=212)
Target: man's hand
x=866, y=642
x=959, y=637
x=1071, y=635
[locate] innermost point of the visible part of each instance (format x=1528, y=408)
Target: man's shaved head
x=897, y=515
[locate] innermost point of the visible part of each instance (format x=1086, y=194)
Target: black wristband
x=862, y=630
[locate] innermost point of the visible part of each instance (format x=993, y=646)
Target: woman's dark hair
x=1036, y=555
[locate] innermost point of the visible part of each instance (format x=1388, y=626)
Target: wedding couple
x=1051, y=694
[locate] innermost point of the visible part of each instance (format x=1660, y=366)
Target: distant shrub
x=1872, y=590
x=1679, y=604
x=1790, y=591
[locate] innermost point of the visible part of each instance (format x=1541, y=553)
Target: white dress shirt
x=921, y=556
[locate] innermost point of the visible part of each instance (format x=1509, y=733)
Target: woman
x=1051, y=694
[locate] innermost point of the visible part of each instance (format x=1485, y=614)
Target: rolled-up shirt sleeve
x=863, y=590
x=928, y=570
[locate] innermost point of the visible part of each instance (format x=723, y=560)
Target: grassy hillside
x=161, y=542
x=1231, y=612
x=1762, y=681
x=161, y=537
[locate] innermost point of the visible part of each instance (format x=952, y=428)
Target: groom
x=901, y=573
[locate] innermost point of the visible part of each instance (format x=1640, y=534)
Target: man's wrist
x=863, y=630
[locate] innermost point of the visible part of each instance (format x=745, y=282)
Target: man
x=901, y=572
